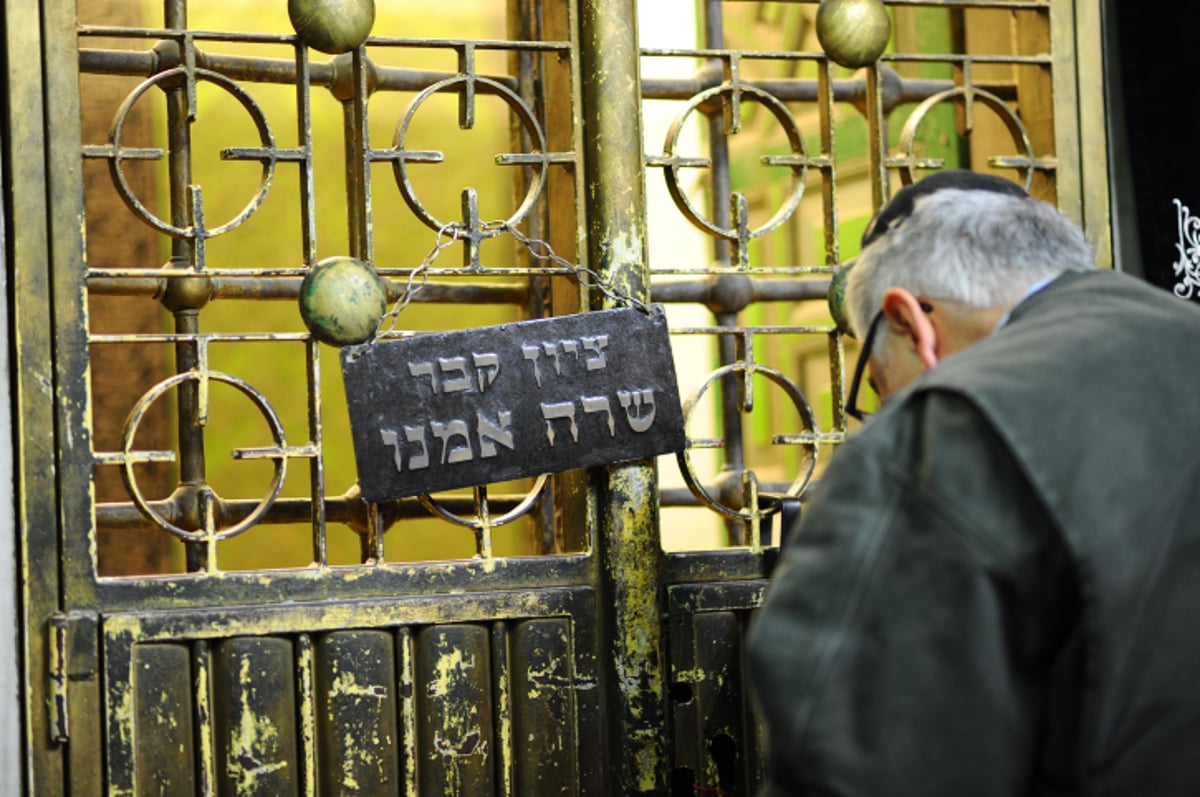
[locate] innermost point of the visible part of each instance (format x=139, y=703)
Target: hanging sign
x=443, y=410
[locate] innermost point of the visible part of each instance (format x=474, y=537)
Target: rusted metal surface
x=492, y=694
x=628, y=547
x=718, y=741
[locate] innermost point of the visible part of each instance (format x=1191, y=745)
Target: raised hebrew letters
x=442, y=410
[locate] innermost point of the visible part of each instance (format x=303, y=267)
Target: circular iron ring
x=795, y=139
x=127, y=441
x=908, y=134
x=260, y=122
x=527, y=120
x=476, y=522
x=806, y=415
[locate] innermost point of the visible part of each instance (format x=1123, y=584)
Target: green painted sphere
x=837, y=298
x=342, y=301
x=332, y=26
x=853, y=33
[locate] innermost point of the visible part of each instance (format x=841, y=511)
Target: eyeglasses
x=859, y=368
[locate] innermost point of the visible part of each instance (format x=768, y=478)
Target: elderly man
x=995, y=589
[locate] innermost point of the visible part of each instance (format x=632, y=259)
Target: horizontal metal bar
x=682, y=497
x=284, y=38
x=797, y=330
x=478, y=44
x=351, y=511
x=288, y=289
x=174, y=33
x=268, y=70
x=802, y=90
x=207, y=337
x=803, y=438
x=707, y=291
x=716, y=271
x=387, y=78
x=962, y=58
x=801, y=55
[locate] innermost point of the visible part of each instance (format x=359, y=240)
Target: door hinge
x=72, y=655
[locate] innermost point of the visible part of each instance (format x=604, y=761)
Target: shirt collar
x=1037, y=286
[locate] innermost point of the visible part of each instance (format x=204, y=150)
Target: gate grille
x=772, y=154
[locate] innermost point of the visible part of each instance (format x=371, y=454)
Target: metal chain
x=540, y=250
x=387, y=322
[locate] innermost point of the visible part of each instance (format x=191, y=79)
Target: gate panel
x=356, y=701
x=443, y=695
x=548, y=749
x=254, y=716
x=162, y=700
x=765, y=159
x=268, y=629
x=717, y=740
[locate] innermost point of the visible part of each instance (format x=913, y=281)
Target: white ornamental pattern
x=1187, y=267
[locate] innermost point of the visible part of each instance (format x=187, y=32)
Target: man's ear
x=906, y=318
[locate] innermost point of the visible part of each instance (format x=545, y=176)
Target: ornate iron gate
x=210, y=606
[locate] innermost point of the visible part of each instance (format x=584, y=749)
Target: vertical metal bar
x=119, y=737
x=317, y=463
x=406, y=676
x=629, y=551
x=483, y=535
x=1093, y=134
x=1037, y=97
x=308, y=233
x=525, y=22
x=180, y=110
x=72, y=391
x=502, y=695
x=372, y=541
x=1065, y=111
x=825, y=112
x=358, y=165
x=573, y=508
x=85, y=705
x=833, y=255
x=206, y=751
x=734, y=450
x=306, y=700
x=179, y=137
x=877, y=142
x=718, y=144
x=28, y=246
x=308, y=212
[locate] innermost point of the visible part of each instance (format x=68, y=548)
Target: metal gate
x=210, y=605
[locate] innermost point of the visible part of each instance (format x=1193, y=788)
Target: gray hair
x=981, y=248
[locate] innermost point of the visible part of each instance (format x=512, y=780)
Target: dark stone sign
x=442, y=410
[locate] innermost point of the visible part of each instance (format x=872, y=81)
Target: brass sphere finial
x=342, y=301
x=332, y=26
x=853, y=33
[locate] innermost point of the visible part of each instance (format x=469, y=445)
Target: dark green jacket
x=996, y=588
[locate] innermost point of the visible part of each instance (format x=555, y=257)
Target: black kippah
x=900, y=207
